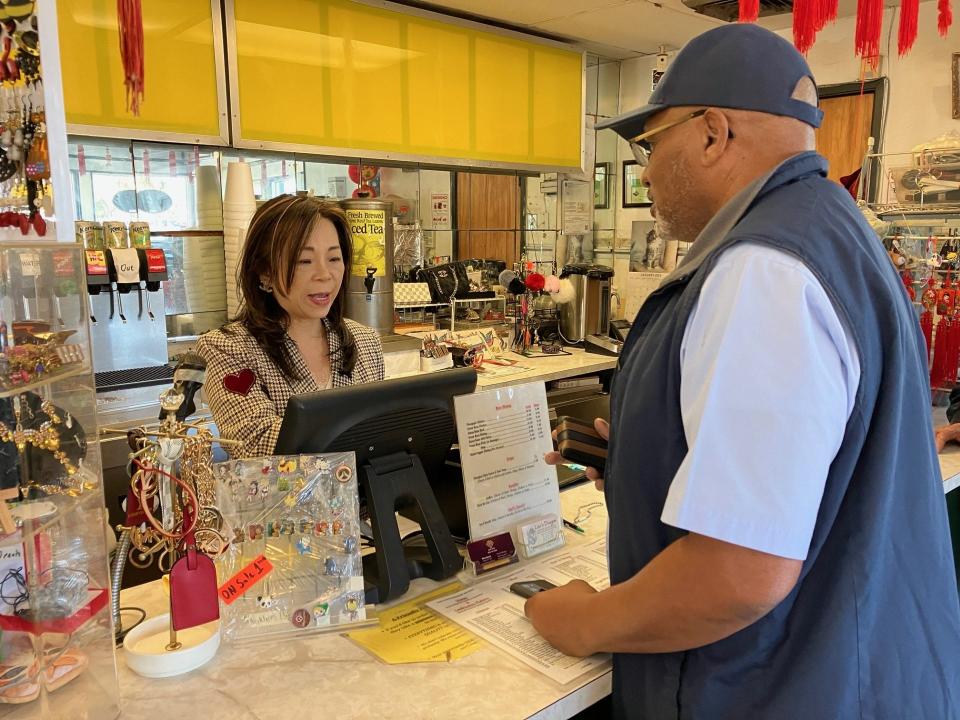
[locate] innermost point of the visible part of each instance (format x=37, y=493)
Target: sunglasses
x=639, y=145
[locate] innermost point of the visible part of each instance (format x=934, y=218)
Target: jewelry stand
x=390, y=483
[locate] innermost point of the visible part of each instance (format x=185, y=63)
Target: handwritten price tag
x=245, y=579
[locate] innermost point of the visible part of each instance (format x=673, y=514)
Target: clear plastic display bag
x=293, y=565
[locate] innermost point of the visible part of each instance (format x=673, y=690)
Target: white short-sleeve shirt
x=769, y=374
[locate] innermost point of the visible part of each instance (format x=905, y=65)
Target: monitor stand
x=389, y=483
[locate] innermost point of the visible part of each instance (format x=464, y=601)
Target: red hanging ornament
x=944, y=16
x=828, y=13
x=172, y=160
x=130, y=21
x=81, y=161
x=749, y=11
x=869, y=27
x=928, y=300
x=805, y=23
x=907, y=279
x=907, y=34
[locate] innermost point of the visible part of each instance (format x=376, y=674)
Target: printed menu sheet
x=495, y=614
x=503, y=436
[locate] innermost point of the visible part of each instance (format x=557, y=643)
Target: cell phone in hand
x=529, y=588
x=579, y=442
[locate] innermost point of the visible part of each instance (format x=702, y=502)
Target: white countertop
x=950, y=467
x=327, y=672
x=548, y=367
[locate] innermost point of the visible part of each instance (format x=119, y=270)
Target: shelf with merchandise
x=459, y=313
x=54, y=583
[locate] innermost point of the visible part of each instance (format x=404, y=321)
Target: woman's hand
x=603, y=430
x=946, y=433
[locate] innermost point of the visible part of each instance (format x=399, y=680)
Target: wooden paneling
x=488, y=216
x=842, y=138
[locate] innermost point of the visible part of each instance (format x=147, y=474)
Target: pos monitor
x=401, y=431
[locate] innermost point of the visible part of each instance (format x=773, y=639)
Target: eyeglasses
x=641, y=148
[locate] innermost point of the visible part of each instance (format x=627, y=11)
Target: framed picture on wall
x=601, y=185
x=634, y=191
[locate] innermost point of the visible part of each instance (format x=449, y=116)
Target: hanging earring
x=266, y=288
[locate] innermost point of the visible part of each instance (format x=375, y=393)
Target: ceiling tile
x=638, y=26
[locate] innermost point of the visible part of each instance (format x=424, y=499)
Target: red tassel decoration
x=805, y=19
x=907, y=34
x=929, y=301
x=953, y=354
x=749, y=11
x=828, y=12
x=869, y=27
x=130, y=21
x=944, y=16
x=81, y=161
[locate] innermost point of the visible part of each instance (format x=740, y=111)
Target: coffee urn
x=370, y=288
x=589, y=312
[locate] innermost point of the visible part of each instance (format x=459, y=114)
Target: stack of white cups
x=239, y=204
x=209, y=203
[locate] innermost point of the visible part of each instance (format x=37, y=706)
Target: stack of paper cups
x=203, y=259
x=239, y=205
x=209, y=203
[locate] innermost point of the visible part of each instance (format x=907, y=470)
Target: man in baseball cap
x=778, y=540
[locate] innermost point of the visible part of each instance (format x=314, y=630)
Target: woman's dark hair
x=277, y=234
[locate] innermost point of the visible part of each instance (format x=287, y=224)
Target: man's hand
x=553, y=614
x=945, y=434
x=603, y=429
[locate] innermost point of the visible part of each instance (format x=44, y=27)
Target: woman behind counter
x=290, y=336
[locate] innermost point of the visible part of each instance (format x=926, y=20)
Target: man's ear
x=715, y=135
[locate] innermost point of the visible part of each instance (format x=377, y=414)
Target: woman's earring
x=266, y=288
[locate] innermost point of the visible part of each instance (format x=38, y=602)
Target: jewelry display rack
x=916, y=212
x=57, y=641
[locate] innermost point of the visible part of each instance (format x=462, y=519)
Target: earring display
x=294, y=525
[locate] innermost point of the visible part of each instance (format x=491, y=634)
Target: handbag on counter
x=445, y=281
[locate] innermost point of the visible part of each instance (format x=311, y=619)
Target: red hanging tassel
x=749, y=11
x=869, y=27
x=806, y=17
x=130, y=21
x=81, y=161
x=828, y=13
x=944, y=16
x=172, y=161
x=929, y=301
x=907, y=34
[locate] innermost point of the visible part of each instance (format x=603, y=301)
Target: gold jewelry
x=46, y=437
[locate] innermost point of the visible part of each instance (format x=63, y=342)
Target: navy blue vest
x=872, y=628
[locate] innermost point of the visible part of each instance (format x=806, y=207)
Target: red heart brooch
x=239, y=382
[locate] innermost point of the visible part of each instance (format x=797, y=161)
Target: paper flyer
x=496, y=615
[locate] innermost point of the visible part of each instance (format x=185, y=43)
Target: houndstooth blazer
x=247, y=393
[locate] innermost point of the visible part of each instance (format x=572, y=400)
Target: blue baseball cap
x=737, y=66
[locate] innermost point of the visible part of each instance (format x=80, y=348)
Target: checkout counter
x=282, y=678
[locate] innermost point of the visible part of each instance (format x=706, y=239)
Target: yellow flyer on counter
x=412, y=633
